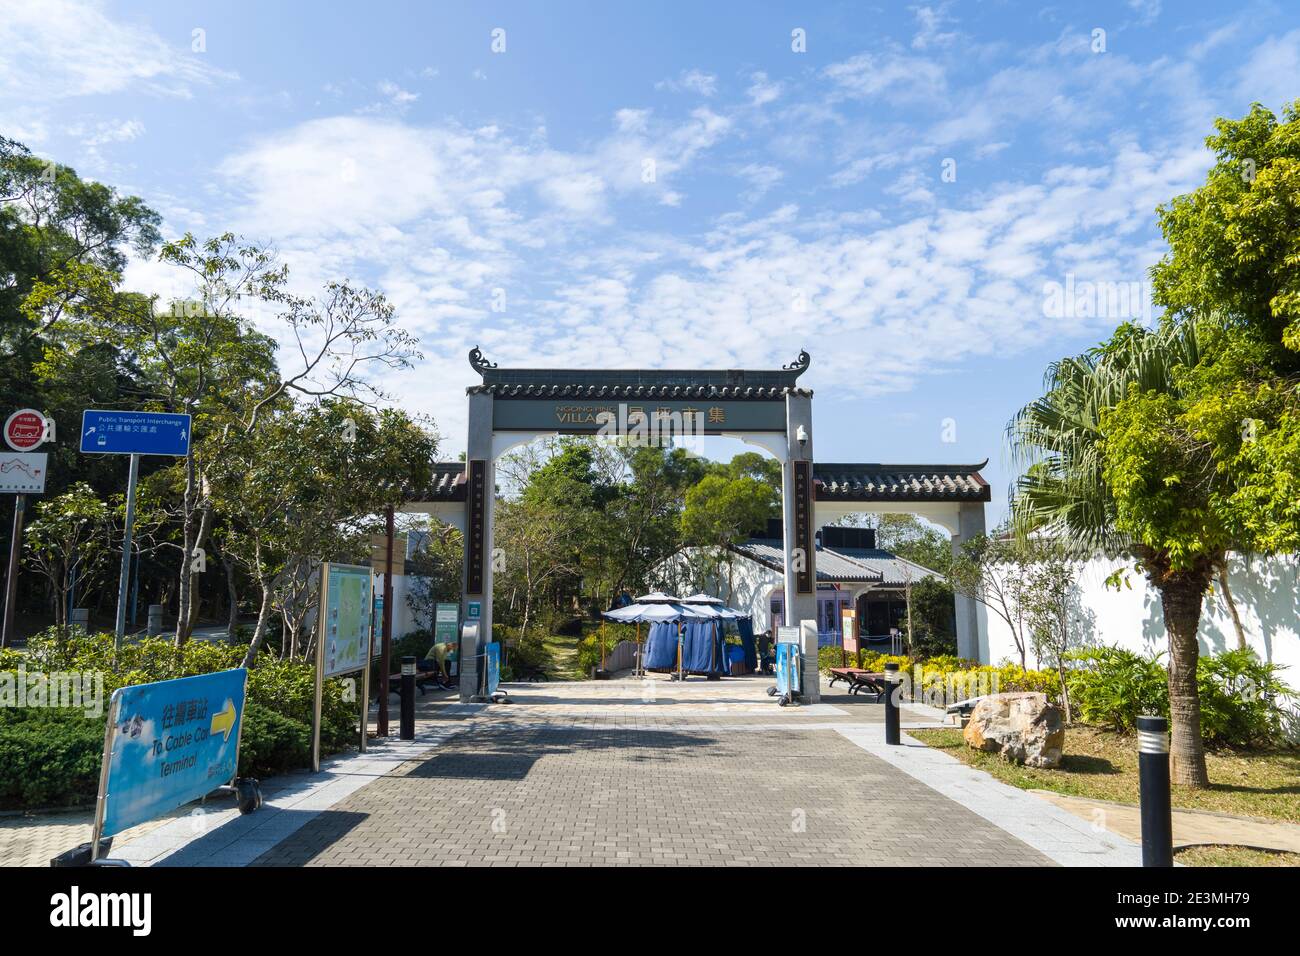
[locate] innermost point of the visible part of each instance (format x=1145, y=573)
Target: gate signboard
x=166, y=744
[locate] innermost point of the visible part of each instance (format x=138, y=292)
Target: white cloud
x=1269, y=74
x=930, y=22
x=761, y=178
x=887, y=75
x=690, y=81
x=53, y=49
x=113, y=131
x=762, y=90
x=396, y=95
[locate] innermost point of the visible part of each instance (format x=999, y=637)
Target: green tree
x=307, y=485
x=70, y=537
x=435, y=571
x=994, y=571
x=1234, y=248
x=1112, y=469
x=720, y=512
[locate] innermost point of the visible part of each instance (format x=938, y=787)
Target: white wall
x=753, y=584
x=1266, y=592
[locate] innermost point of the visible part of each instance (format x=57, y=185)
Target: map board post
x=22, y=473
x=343, y=637
x=849, y=634
x=165, y=744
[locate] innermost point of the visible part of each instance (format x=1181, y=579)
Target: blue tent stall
x=686, y=634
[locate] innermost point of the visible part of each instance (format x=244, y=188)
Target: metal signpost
x=344, y=639
x=22, y=472
x=168, y=743
x=106, y=432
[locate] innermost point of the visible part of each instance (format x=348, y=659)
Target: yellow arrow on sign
x=225, y=720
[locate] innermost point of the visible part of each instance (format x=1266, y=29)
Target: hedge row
x=1244, y=702
x=50, y=757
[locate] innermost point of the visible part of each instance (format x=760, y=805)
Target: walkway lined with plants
x=632, y=771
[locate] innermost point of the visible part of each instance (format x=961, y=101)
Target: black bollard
x=892, y=685
x=1153, y=791
x=407, y=731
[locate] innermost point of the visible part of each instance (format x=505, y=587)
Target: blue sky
x=674, y=185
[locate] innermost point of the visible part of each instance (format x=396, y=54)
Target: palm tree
x=1064, y=492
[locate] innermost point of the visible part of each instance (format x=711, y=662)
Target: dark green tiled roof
x=637, y=383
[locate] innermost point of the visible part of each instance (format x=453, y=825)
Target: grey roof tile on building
x=894, y=571
x=448, y=482
x=884, y=482
x=833, y=482
x=856, y=566
x=831, y=565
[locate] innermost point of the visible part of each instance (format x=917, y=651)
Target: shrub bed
x=1243, y=699
x=50, y=756
x=1244, y=702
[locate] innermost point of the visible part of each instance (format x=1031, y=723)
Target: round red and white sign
x=25, y=429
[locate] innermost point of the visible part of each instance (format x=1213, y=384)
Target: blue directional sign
x=170, y=743
x=134, y=433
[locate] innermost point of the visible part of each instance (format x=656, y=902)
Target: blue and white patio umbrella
x=657, y=607
x=711, y=606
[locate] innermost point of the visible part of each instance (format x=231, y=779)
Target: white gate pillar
x=971, y=644
x=480, y=473
x=797, y=503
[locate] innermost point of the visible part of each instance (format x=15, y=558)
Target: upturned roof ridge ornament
x=799, y=365
x=478, y=362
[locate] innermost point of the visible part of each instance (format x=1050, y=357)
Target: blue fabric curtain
x=661, y=646
x=704, y=650
x=697, y=648
x=746, y=627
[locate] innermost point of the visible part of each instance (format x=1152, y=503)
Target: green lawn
x=1233, y=856
x=1103, y=765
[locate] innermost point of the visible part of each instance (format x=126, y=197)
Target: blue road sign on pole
x=134, y=433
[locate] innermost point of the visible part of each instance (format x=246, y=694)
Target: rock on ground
x=1024, y=727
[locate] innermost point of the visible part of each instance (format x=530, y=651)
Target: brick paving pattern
x=522, y=790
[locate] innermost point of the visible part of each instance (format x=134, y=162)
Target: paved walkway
x=1191, y=827
x=634, y=772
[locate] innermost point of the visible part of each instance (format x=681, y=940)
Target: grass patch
x=563, y=651
x=1103, y=765
x=1234, y=856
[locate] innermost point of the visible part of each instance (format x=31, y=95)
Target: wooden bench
x=860, y=680
x=962, y=709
